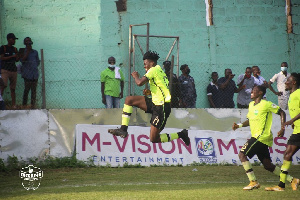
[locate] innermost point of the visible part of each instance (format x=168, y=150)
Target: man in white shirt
x=281, y=78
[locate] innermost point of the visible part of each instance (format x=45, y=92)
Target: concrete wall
x=78, y=37
x=64, y=29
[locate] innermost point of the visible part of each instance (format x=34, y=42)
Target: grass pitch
x=192, y=182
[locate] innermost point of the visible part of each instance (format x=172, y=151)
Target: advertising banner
x=93, y=142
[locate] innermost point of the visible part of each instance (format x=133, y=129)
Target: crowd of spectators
x=220, y=92
x=28, y=68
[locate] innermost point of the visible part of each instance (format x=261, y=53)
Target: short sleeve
x=150, y=73
x=274, y=78
x=38, y=58
x=103, y=76
x=234, y=85
x=273, y=107
x=209, y=90
x=240, y=78
x=256, y=81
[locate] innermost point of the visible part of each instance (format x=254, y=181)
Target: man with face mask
x=281, y=78
x=246, y=81
x=175, y=85
x=187, y=87
x=112, y=84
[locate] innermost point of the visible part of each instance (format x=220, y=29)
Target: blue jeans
x=112, y=102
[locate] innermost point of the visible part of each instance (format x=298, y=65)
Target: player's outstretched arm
x=236, y=126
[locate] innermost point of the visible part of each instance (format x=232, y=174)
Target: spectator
x=281, y=78
x=227, y=89
x=187, y=88
x=29, y=71
x=174, y=85
x=258, y=79
x=213, y=93
x=9, y=57
x=246, y=82
x=112, y=85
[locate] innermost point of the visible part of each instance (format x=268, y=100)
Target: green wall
x=78, y=37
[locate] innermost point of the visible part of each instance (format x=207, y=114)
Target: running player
x=260, y=122
x=292, y=84
x=159, y=105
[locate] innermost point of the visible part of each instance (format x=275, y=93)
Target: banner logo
x=205, y=148
x=31, y=177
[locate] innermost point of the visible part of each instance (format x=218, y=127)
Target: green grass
x=208, y=182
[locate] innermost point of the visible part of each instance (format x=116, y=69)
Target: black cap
x=11, y=35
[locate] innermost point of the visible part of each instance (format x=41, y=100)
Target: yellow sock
x=277, y=171
x=165, y=137
x=173, y=136
x=249, y=171
x=284, y=170
x=127, y=110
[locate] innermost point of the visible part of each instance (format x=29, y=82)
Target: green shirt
x=294, y=108
x=159, y=85
x=112, y=85
x=260, y=120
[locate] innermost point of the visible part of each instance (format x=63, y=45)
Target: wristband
x=240, y=125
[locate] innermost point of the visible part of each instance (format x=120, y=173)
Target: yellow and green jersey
x=294, y=108
x=260, y=120
x=159, y=85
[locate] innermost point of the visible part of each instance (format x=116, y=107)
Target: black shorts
x=160, y=113
x=254, y=147
x=294, y=140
